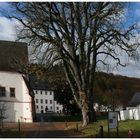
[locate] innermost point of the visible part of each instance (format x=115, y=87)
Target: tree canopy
x=79, y=34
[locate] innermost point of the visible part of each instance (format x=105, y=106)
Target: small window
x=41, y=107
x=37, y=106
x=2, y=92
x=36, y=100
x=41, y=100
x=50, y=92
x=12, y=92
x=45, y=92
x=36, y=92
x=50, y=107
x=57, y=108
x=50, y=101
x=46, y=101
x=40, y=92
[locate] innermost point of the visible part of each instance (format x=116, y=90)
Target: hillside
x=115, y=89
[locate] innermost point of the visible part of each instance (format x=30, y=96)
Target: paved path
x=43, y=129
x=48, y=130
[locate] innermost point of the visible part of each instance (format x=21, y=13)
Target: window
x=50, y=92
x=36, y=92
x=50, y=101
x=40, y=92
x=36, y=100
x=2, y=92
x=12, y=92
x=37, y=106
x=57, y=108
x=50, y=107
x=45, y=92
x=41, y=100
x=46, y=101
x=41, y=107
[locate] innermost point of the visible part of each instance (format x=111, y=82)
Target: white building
x=45, y=99
x=44, y=96
x=133, y=111
x=15, y=94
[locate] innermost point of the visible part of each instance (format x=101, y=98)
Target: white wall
x=46, y=95
x=18, y=107
x=124, y=114
x=58, y=107
x=130, y=113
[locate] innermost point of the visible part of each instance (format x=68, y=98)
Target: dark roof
x=37, y=84
x=135, y=100
x=12, y=54
x=26, y=80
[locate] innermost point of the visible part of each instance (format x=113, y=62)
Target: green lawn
x=92, y=129
x=66, y=118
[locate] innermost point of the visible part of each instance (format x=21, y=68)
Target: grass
x=66, y=118
x=92, y=129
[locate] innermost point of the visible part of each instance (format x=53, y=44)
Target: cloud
x=7, y=29
x=130, y=71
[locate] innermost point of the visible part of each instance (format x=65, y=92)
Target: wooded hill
x=115, y=89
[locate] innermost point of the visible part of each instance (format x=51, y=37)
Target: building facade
x=44, y=96
x=16, y=97
x=44, y=101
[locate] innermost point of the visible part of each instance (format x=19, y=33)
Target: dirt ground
x=43, y=130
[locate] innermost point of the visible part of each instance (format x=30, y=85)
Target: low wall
x=130, y=113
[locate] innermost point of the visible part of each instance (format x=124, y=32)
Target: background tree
x=79, y=34
x=63, y=95
x=107, y=94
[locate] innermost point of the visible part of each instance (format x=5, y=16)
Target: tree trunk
x=91, y=113
x=84, y=108
x=85, y=116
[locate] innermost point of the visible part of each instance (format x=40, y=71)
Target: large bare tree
x=80, y=35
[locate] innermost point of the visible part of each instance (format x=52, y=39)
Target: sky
x=8, y=32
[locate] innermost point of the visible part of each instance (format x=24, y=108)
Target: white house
x=15, y=93
x=133, y=109
x=44, y=101
x=44, y=96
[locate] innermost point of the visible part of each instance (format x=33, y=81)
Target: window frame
x=12, y=93
x=2, y=92
x=41, y=101
x=50, y=101
x=36, y=100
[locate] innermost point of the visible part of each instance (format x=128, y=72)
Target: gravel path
x=49, y=130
